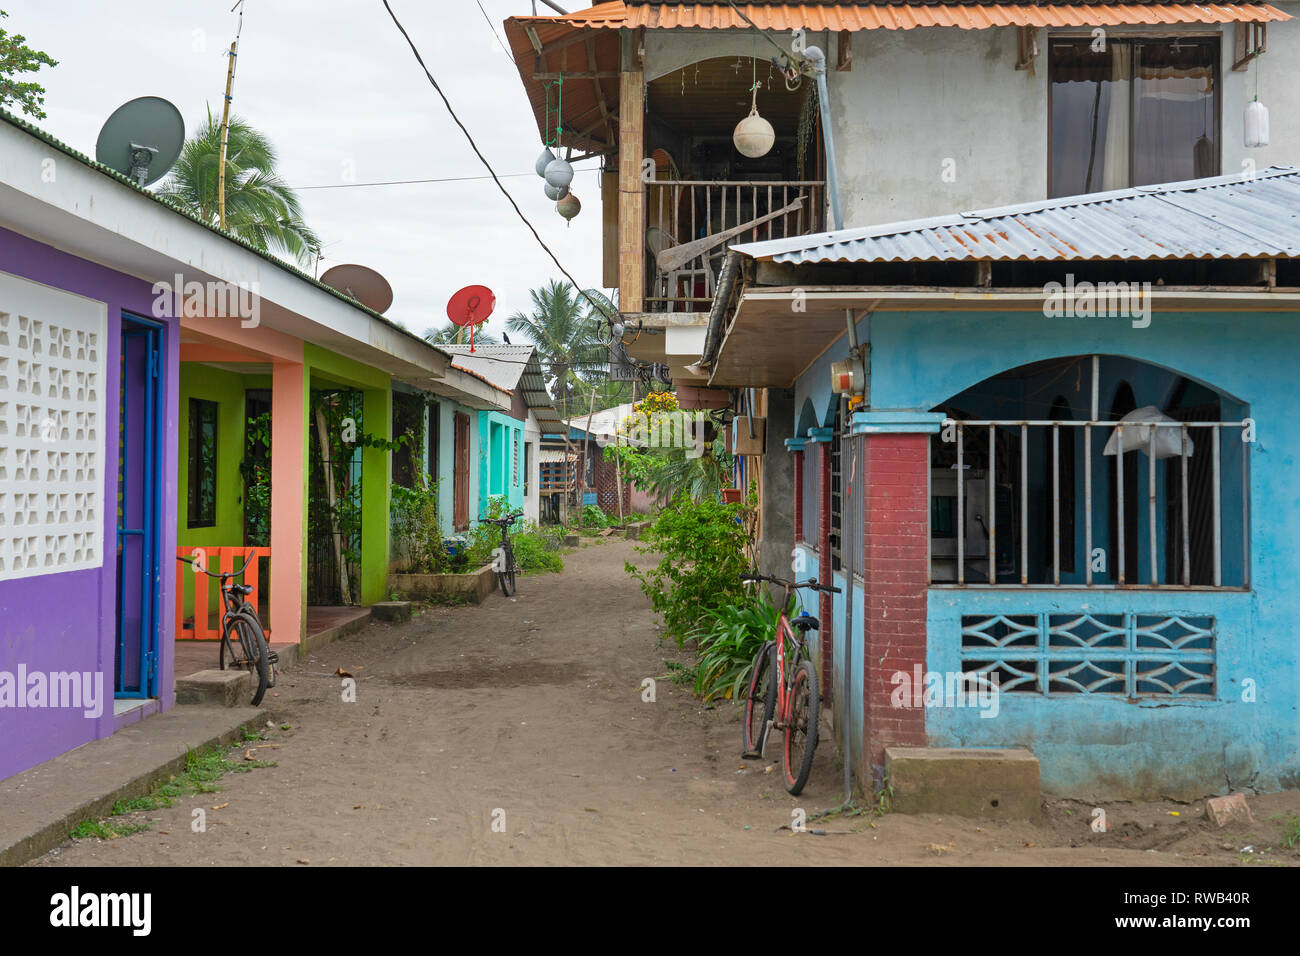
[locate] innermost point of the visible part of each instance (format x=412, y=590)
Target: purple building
x=88, y=425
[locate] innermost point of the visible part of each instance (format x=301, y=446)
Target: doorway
x=139, y=509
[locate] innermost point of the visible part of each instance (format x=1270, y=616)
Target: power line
x=409, y=182
x=493, y=28
x=483, y=159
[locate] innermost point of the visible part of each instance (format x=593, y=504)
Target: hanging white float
x=555, y=193
x=543, y=161
x=754, y=135
x=559, y=173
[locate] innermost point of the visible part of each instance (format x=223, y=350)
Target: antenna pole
x=225, y=119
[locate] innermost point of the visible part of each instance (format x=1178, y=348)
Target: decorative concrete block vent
x=992, y=784
x=52, y=398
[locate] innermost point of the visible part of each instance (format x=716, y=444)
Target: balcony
x=690, y=224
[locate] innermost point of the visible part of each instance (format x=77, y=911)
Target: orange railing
x=219, y=560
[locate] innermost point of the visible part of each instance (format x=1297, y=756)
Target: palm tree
x=452, y=334
x=261, y=209
x=567, y=328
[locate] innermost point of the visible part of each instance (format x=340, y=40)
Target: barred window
x=811, y=497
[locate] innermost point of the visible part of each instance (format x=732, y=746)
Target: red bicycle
x=785, y=699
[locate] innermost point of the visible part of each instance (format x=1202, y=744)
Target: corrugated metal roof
x=508, y=367
x=902, y=16
x=1237, y=216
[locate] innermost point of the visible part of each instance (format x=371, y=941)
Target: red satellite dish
x=471, y=306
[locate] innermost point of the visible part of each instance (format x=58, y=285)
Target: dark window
x=407, y=422
x=435, y=417
x=1132, y=112
x=202, y=500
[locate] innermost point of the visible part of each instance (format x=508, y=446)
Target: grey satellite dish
x=142, y=139
x=365, y=285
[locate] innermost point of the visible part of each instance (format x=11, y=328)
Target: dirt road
x=516, y=733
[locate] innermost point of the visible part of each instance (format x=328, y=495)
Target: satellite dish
x=365, y=285
x=471, y=306
x=142, y=139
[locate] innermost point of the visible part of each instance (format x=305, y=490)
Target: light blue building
x=999, y=500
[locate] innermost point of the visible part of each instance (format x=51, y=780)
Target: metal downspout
x=818, y=58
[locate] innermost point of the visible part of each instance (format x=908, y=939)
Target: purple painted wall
x=67, y=621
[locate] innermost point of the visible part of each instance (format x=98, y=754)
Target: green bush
x=703, y=547
x=593, y=517
x=726, y=640
x=416, y=534
x=534, y=554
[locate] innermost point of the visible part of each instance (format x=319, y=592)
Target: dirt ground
x=515, y=733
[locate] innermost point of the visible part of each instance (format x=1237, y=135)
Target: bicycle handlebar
x=223, y=575
x=782, y=582
x=505, y=520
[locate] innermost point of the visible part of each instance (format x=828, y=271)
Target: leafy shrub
x=593, y=517
x=534, y=553
x=726, y=640
x=416, y=535
x=703, y=547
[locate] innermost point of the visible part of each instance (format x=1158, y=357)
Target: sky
x=335, y=87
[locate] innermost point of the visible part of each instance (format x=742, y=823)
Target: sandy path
x=528, y=712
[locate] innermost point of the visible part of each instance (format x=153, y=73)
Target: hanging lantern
x=559, y=173
x=568, y=207
x=555, y=193
x=1256, y=124
x=754, y=135
x=543, y=161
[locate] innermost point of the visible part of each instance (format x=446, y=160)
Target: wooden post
x=631, y=188
x=225, y=135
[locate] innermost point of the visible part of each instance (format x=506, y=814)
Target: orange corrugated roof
x=966, y=16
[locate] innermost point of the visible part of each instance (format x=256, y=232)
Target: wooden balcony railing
x=689, y=225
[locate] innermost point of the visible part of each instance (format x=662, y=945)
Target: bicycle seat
x=805, y=622
x=241, y=589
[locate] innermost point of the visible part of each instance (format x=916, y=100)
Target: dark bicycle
x=783, y=689
x=243, y=639
x=503, y=558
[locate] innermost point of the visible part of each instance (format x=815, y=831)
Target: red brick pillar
x=896, y=528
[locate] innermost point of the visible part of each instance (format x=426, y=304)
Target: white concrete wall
x=533, y=438
x=915, y=99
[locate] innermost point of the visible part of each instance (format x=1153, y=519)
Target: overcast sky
x=336, y=88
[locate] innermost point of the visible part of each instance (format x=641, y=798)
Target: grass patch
x=202, y=770
x=1290, y=831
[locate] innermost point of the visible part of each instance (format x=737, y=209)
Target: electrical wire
x=410, y=182
x=492, y=27
x=483, y=159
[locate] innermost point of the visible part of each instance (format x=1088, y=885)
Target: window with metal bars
x=836, y=502
x=811, y=494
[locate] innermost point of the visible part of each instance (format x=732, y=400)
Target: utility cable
x=483, y=159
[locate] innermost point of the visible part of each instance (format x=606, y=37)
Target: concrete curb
x=38, y=817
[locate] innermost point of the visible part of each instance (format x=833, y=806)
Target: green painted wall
x=227, y=390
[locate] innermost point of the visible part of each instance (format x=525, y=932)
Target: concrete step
x=231, y=688
x=992, y=784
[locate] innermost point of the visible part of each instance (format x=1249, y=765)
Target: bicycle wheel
x=258, y=655
x=506, y=577
x=255, y=623
x=801, y=727
x=761, y=700
x=231, y=653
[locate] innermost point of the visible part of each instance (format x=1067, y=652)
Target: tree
x=447, y=335
x=571, y=340
x=16, y=57
x=261, y=209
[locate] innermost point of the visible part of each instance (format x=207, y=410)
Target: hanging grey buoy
x=543, y=161
x=559, y=173
x=555, y=193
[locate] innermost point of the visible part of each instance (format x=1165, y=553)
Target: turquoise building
x=1047, y=449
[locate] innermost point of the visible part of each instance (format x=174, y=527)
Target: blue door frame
x=139, y=509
